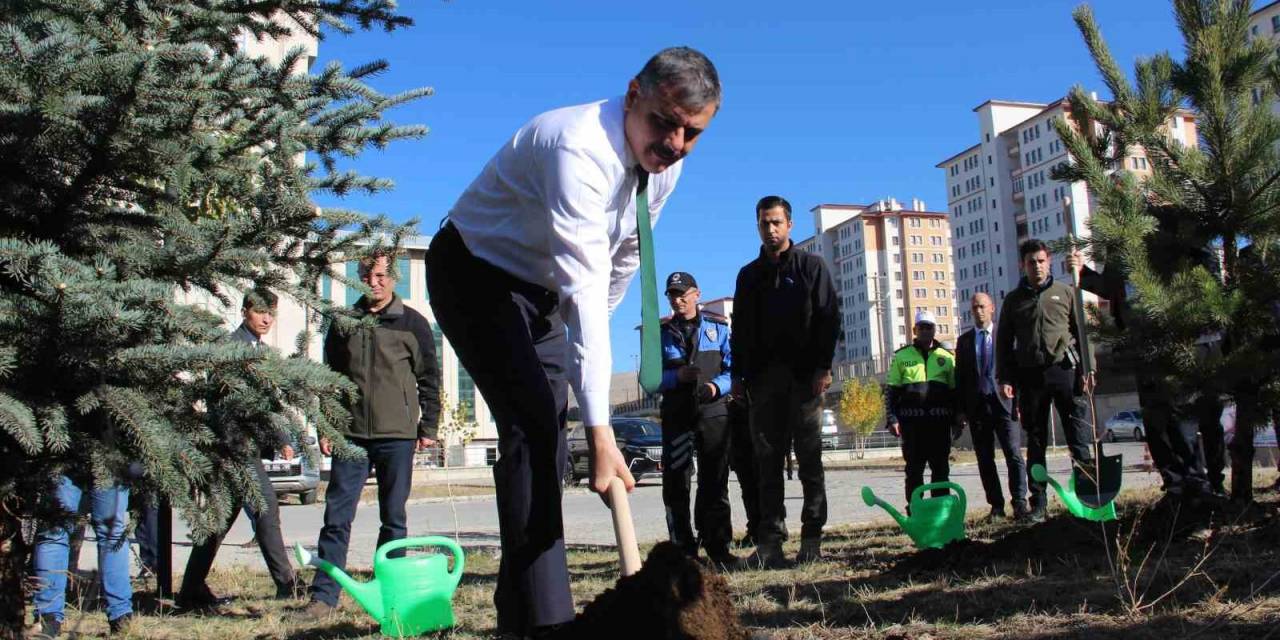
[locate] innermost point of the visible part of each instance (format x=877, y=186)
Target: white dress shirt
x=556, y=207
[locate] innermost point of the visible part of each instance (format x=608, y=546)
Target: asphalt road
x=586, y=519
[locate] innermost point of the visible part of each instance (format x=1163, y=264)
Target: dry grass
x=1050, y=580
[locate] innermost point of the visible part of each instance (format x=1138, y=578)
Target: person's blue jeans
x=108, y=514
x=393, y=463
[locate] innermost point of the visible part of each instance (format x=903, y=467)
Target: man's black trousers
x=993, y=423
x=509, y=336
x=270, y=542
x=926, y=441
x=1039, y=390
x=705, y=434
x=743, y=460
x=785, y=414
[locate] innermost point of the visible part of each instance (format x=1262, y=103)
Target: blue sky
x=824, y=102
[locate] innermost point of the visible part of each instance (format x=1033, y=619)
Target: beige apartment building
x=1000, y=193
x=888, y=262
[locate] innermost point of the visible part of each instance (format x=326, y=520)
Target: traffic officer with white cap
x=920, y=403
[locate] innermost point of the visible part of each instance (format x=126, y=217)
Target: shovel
x=1095, y=491
x=624, y=530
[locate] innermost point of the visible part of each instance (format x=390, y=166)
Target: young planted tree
x=143, y=154
x=861, y=408
x=1192, y=239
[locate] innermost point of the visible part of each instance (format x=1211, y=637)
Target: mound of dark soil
x=672, y=597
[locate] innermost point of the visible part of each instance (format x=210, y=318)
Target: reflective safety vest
x=921, y=385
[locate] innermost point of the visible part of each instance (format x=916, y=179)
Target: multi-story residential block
x=1264, y=22
x=888, y=263
x=1000, y=193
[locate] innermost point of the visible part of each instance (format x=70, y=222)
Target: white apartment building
x=292, y=319
x=1264, y=22
x=888, y=263
x=1000, y=193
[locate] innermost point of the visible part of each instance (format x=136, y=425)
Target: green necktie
x=650, y=342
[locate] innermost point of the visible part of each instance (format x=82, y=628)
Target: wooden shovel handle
x=623, y=529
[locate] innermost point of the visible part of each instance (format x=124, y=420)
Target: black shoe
x=1037, y=513
x=203, y=601
x=996, y=515
x=725, y=562
x=294, y=589
x=121, y=624
x=50, y=627
x=548, y=631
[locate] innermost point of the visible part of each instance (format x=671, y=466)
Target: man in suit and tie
x=989, y=414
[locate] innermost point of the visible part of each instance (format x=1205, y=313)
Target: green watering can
x=1083, y=497
x=408, y=596
x=934, y=522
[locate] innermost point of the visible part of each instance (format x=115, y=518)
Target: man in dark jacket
x=786, y=323
x=258, y=312
x=393, y=363
x=1036, y=353
x=990, y=416
x=695, y=382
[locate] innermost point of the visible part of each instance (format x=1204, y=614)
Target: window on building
x=402, y=283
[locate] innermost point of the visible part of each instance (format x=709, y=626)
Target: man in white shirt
x=536, y=254
x=989, y=414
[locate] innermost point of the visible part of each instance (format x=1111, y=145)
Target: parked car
x=1126, y=425
x=639, y=439
x=830, y=429
x=300, y=476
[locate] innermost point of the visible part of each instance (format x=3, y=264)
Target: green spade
x=1071, y=498
x=934, y=522
x=650, y=341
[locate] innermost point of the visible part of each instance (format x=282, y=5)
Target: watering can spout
x=368, y=594
x=869, y=497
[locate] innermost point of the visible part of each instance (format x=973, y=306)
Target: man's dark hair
x=686, y=72
x=259, y=298
x=1034, y=245
x=768, y=202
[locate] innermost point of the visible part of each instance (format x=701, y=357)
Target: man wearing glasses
x=395, y=414
x=695, y=421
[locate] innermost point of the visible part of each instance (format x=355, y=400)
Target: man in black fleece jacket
x=785, y=325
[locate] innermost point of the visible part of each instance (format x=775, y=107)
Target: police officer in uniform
x=920, y=402
x=695, y=421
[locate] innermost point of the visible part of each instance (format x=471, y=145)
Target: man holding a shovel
x=535, y=255
x=1036, y=353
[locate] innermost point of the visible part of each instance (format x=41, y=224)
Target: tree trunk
x=1241, y=449
x=14, y=552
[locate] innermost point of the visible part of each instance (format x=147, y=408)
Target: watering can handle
x=955, y=488
x=459, y=559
